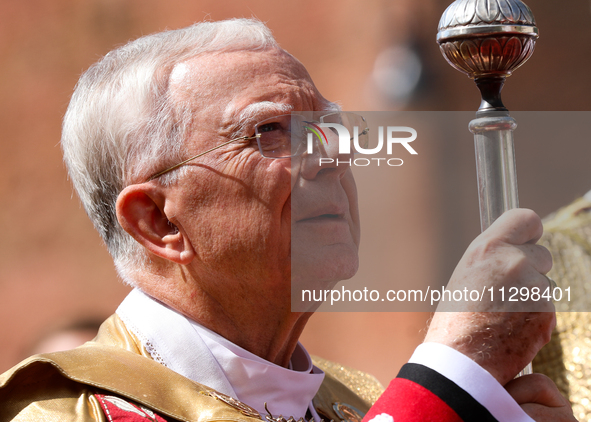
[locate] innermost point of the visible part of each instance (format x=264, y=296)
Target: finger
x=544, y=414
x=535, y=388
x=538, y=257
x=517, y=227
x=541, y=413
x=524, y=265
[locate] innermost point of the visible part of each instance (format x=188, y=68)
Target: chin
x=320, y=276
x=327, y=269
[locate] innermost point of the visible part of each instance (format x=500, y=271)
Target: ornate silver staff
x=487, y=40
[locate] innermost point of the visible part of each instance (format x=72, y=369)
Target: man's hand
x=505, y=255
x=539, y=397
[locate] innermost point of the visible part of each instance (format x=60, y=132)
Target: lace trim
x=150, y=348
x=153, y=352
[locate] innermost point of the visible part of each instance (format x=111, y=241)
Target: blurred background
x=370, y=55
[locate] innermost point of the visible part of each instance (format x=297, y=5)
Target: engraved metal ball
x=484, y=38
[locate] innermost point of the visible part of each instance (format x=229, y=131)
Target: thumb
x=535, y=388
x=517, y=227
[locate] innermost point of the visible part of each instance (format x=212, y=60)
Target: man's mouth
x=323, y=217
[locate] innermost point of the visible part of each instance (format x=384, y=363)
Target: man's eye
x=269, y=127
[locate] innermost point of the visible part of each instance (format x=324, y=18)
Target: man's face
x=240, y=209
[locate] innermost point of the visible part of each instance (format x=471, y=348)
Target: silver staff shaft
x=495, y=166
x=495, y=170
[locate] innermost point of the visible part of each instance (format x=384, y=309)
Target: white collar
x=209, y=359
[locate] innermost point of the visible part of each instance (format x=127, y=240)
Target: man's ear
x=140, y=211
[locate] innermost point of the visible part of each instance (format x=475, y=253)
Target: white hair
x=122, y=126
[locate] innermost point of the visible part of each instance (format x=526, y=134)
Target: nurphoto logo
x=386, y=135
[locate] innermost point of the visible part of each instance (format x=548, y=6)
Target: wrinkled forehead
x=224, y=85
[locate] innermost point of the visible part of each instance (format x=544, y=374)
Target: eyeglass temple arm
x=182, y=163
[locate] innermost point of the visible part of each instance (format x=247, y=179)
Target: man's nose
x=325, y=158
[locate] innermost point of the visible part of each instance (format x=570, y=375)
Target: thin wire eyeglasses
x=286, y=136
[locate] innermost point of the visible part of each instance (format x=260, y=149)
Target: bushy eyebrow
x=255, y=112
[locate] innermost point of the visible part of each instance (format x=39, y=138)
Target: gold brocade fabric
x=61, y=386
x=363, y=384
x=567, y=358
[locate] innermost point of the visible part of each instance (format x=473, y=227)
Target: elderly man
x=179, y=147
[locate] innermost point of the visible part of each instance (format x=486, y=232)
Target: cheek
x=241, y=210
x=260, y=179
